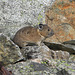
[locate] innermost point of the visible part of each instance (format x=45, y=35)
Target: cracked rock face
x=9, y=52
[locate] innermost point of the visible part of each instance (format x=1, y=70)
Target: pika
x=35, y=35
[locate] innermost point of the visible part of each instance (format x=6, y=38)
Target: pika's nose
x=52, y=33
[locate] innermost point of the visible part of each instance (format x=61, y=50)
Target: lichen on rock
x=9, y=52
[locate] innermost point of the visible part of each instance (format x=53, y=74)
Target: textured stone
x=39, y=53
x=60, y=17
x=9, y=52
x=62, y=11
x=31, y=68
x=72, y=42
x=62, y=72
x=64, y=47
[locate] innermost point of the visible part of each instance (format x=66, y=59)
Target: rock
x=62, y=55
x=28, y=68
x=33, y=52
x=61, y=12
x=62, y=72
x=61, y=17
x=38, y=66
x=72, y=42
x=63, y=47
x=39, y=53
x=31, y=68
x=72, y=58
x=9, y=52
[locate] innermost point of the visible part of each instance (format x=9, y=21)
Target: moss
x=31, y=3
x=39, y=17
x=71, y=69
x=67, y=64
x=31, y=65
x=14, y=68
x=30, y=0
x=21, y=13
x=38, y=23
x=26, y=66
x=41, y=4
x=21, y=71
x=63, y=61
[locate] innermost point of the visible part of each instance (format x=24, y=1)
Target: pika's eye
x=48, y=30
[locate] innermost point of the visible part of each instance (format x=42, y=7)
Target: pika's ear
x=40, y=26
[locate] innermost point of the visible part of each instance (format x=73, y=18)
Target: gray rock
x=38, y=66
x=9, y=52
x=28, y=68
x=56, y=67
x=63, y=72
x=39, y=53
x=72, y=42
x=32, y=52
x=64, y=47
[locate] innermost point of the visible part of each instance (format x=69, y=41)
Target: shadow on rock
x=62, y=72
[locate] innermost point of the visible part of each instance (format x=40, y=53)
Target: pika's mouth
x=51, y=33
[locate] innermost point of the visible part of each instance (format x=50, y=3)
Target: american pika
x=35, y=35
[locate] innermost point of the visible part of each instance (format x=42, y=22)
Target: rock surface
x=61, y=17
x=39, y=53
x=64, y=47
x=62, y=11
x=37, y=59
x=72, y=42
x=56, y=67
x=9, y=52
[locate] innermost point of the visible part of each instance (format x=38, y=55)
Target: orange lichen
x=71, y=36
x=64, y=6
x=73, y=4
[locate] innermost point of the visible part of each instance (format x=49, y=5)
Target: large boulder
x=61, y=17
x=62, y=11
x=9, y=52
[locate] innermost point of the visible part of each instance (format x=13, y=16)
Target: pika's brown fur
x=31, y=34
